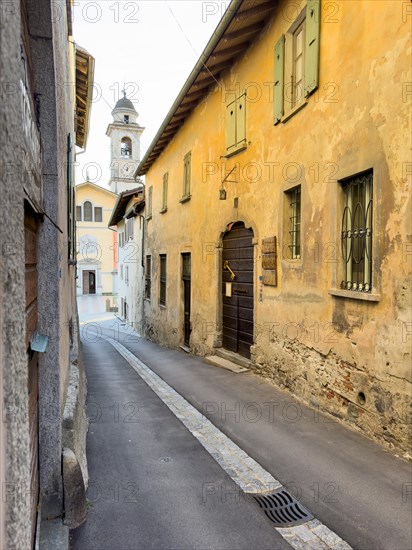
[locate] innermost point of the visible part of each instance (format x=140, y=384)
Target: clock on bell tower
x=124, y=133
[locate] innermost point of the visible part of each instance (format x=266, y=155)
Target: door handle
x=227, y=266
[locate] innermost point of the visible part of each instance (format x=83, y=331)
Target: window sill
x=185, y=199
x=163, y=210
x=354, y=295
x=238, y=149
x=162, y=306
x=293, y=111
x=149, y=217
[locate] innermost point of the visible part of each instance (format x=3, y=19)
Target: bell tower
x=124, y=133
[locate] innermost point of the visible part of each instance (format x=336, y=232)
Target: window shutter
x=241, y=120
x=165, y=185
x=279, y=78
x=186, y=174
x=312, y=46
x=231, y=126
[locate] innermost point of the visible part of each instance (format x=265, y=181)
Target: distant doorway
x=187, y=287
x=237, y=288
x=89, y=282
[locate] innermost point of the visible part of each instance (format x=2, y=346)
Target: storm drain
x=282, y=509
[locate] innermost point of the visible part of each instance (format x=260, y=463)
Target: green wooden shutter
x=279, y=78
x=312, y=46
x=186, y=174
x=165, y=185
x=241, y=121
x=231, y=126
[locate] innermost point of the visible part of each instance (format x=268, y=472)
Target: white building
x=128, y=216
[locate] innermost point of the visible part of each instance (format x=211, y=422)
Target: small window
x=297, y=63
x=121, y=272
x=149, y=202
x=164, y=196
x=162, y=299
x=126, y=275
x=293, y=223
x=79, y=213
x=126, y=119
x=356, y=235
x=98, y=214
x=87, y=212
x=187, y=168
x=126, y=147
x=129, y=227
x=148, y=278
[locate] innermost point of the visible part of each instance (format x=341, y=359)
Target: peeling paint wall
x=347, y=355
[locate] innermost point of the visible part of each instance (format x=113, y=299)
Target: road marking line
x=240, y=467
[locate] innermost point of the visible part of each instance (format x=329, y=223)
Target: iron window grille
x=294, y=223
x=148, y=278
x=356, y=235
x=162, y=299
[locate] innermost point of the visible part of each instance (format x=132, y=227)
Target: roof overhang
x=84, y=93
x=119, y=209
x=239, y=26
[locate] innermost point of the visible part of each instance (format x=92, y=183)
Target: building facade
x=96, y=243
x=40, y=360
x=278, y=206
x=128, y=219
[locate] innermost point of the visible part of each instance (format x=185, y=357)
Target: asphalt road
x=351, y=484
x=150, y=478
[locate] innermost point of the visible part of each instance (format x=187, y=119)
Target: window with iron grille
x=294, y=207
x=356, y=234
x=162, y=297
x=148, y=278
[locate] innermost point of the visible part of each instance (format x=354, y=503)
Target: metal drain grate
x=282, y=509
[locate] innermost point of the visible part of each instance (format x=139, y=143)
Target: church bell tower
x=124, y=133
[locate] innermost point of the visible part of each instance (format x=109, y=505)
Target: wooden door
x=187, y=288
x=31, y=288
x=237, y=289
x=89, y=282
x=92, y=282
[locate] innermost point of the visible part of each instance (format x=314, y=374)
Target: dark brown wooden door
x=89, y=282
x=237, y=289
x=92, y=282
x=31, y=287
x=186, y=259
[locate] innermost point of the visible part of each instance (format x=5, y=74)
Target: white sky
x=139, y=43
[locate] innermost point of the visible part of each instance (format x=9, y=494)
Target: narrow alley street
x=153, y=484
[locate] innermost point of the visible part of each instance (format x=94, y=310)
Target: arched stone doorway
x=237, y=287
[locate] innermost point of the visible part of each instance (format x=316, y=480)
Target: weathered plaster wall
x=130, y=256
x=326, y=349
x=15, y=503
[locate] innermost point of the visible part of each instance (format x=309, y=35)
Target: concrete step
x=233, y=357
x=224, y=364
